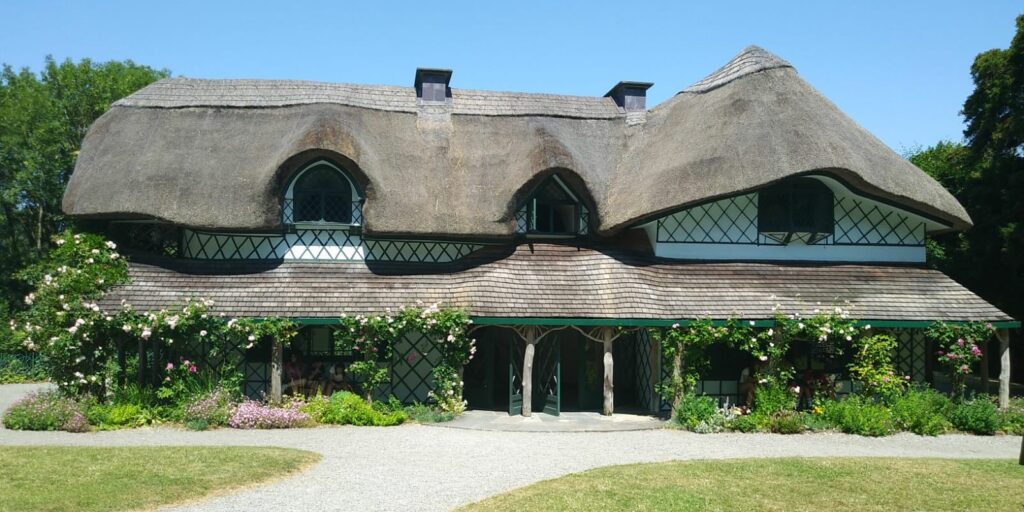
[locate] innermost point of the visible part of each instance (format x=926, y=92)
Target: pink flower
x=170, y=366
x=964, y=368
x=951, y=356
x=192, y=369
x=960, y=342
x=975, y=350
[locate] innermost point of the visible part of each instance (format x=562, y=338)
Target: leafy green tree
x=43, y=118
x=987, y=176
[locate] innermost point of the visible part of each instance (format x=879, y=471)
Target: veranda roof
x=217, y=153
x=547, y=281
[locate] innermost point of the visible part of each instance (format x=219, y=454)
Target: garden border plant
x=373, y=337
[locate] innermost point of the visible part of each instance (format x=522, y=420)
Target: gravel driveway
x=414, y=467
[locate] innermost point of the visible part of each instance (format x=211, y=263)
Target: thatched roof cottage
x=746, y=190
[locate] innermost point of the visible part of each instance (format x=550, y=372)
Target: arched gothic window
x=322, y=193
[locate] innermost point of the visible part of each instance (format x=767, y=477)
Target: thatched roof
x=554, y=281
x=216, y=154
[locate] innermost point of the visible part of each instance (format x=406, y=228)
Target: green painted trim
x=316, y=320
x=603, y=322
x=643, y=322
x=647, y=322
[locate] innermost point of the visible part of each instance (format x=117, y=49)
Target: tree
x=987, y=176
x=43, y=119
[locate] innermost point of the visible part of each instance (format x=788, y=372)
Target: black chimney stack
x=432, y=85
x=630, y=96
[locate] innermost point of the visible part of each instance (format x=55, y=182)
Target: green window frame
x=798, y=206
x=554, y=210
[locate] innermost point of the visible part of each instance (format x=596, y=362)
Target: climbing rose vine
x=959, y=350
x=373, y=337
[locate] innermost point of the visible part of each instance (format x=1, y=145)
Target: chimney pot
x=630, y=96
x=432, y=84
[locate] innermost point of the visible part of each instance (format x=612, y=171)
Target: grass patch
x=92, y=479
x=840, y=484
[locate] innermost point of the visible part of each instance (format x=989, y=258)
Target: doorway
x=485, y=378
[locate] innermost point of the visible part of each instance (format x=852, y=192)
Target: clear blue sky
x=900, y=68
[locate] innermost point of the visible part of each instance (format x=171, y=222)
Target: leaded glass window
x=801, y=208
x=554, y=210
x=322, y=194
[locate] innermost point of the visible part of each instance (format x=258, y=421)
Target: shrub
x=423, y=413
x=774, y=398
x=345, y=408
x=197, y=425
x=46, y=410
x=214, y=409
x=872, y=367
x=750, y=423
x=815, y=421
x=788, y=422
x=922, y=411
x=978, y=416
x=720, y=421
x=694, y=409
x=113, y=415
x=350, y=409
x=859, y=415
x=1012, y=419
x=18, y=368
x=251, y=414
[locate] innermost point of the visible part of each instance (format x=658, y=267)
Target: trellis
x=733, y=220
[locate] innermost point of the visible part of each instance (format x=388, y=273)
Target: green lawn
x=86, y=479
x=832, y=485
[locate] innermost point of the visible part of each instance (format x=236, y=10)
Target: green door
x=515, y=376
x=547, y=376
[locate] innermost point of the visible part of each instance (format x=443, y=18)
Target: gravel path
x=416, y=467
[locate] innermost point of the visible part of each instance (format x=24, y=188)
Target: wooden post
x=142, y=362
x=655, y=405
x=607, y=339
x=122, y=364
x=276, y=363
x=531, y=341
x=1004, y=367
x=985, y=387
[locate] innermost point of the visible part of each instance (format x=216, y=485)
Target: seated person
x=336, y=379
x=314, y=377
x=293, y=371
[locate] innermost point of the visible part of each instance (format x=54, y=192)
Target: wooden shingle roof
x=555, y=281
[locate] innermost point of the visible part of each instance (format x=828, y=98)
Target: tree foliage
x=43, y=118
x=987, y=176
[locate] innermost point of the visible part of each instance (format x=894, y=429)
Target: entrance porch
x=526, y=369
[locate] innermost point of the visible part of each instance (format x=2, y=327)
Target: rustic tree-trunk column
x=122, y=364
x=276, y=364
x=608, y=338
x=985, y=385
x=142, y=362
x=655, y=378
x=1004, y=367
x=531, y=341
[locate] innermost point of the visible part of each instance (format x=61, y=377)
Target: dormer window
x=799, y=209
x=553, y=210
x=322, y=194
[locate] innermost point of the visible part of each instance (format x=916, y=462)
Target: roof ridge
x=750, y=60
x=179, y=92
